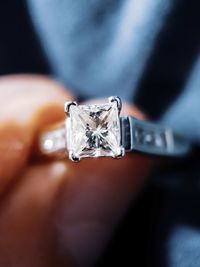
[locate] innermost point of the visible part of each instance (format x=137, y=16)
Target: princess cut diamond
x=94, y=130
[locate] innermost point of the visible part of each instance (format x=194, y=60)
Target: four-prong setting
x=120, y=153
x=68, y=104
x=117, y=100
x=74, y=157
x=94, y=130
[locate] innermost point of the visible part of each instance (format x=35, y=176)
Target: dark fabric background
x=20, y=51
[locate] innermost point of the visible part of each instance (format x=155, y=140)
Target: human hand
x=55, y=213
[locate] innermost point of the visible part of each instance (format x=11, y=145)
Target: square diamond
x=93, y=131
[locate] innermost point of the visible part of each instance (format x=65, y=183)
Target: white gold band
x=136, y=136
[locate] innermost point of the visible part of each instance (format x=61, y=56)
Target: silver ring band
x=98, y=130
x=150, y=138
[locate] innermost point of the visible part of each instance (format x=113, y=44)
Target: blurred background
x=166, y=88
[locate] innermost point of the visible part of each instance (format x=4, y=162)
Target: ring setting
x=94, y=130
x=98, y=130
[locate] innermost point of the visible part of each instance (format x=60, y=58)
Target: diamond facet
x=93, y=131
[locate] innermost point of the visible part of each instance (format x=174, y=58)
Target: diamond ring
x=97, y=130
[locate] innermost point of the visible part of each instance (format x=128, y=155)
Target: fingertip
x=28, y=103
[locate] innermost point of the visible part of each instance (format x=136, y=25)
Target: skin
x=53, y=212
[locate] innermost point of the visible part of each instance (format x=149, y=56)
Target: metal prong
x=117, y=100
x=121, y=153
x=68, y=104
x=73, y=157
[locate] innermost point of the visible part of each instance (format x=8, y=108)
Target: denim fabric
x=99, y=48
x=184, y=114
x=147, y=52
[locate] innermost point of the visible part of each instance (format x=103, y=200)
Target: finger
x=26, y=225
x=26, y=103
x=97, y=195
x=87, y=201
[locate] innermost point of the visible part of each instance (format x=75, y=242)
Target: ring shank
x=136, y=136
x=53, y=142
x=150, y=138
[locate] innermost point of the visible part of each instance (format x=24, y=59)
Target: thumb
x=26, y=102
